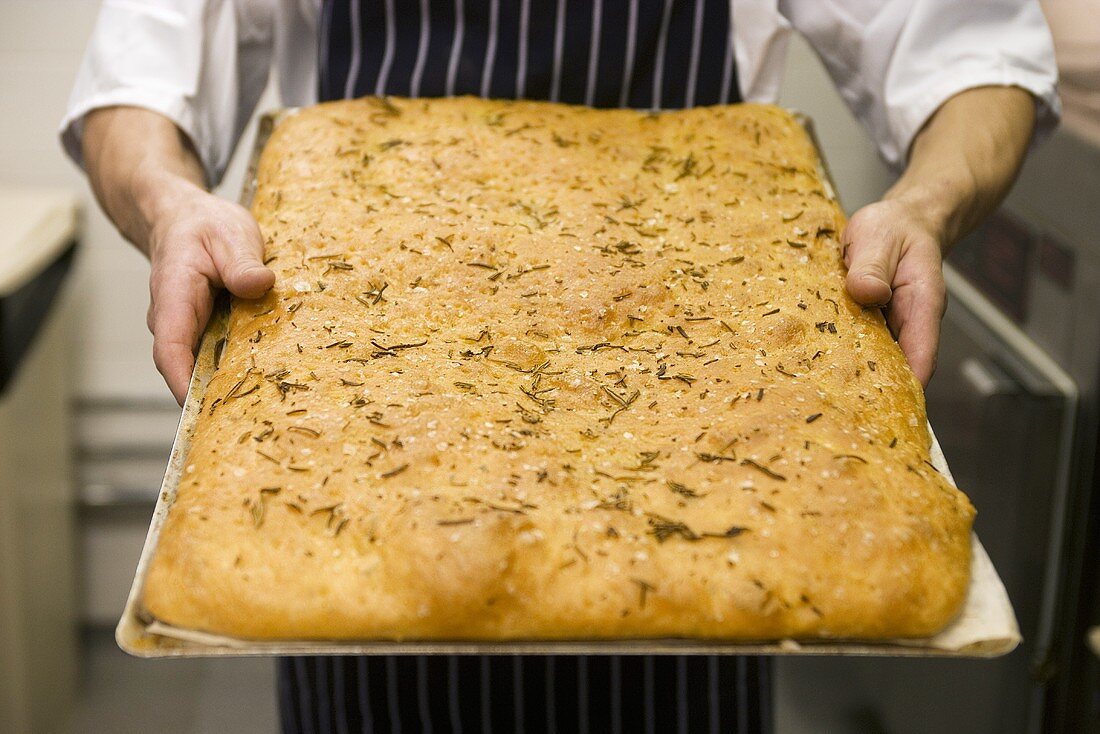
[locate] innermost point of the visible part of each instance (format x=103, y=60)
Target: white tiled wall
x=40, y=45
x=41, y=42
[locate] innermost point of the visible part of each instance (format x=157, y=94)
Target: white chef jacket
x=205, y=63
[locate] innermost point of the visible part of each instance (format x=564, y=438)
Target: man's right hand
x=149, y=181
x=201, y=243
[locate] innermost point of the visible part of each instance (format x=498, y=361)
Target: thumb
x=237, y=251
x=872, y=258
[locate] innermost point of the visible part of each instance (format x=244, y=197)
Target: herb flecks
x=373, y=296
x=257, y=506
x=393, y=349
x=394, y=472
x=763, y=469
x=662, y=528
x=644, y=588
x=681, y=489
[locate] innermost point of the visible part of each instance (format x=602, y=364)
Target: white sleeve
x=201, y=63
x=896, y=61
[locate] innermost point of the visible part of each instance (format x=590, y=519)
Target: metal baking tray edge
x=140, y=635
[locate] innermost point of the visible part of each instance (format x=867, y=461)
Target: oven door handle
x=986, y=380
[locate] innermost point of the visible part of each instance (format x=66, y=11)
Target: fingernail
x=260, y=270
x=875, y=278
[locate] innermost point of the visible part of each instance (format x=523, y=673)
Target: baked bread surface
x=540, y=371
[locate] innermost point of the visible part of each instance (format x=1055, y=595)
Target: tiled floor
x=120, y=694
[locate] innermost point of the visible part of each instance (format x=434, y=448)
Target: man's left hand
x=894, y=260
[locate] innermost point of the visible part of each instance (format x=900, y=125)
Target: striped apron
x=644, y=54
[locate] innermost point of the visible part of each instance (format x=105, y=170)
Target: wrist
x=158, y=195
x=942, y=205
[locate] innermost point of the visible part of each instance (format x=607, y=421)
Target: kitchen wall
x=41, y=42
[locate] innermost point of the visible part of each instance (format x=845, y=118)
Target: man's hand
x=201, y=244
x=149, y=181
x=961, y=165
x=893, y=258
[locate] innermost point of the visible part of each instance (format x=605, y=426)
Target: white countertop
x=36, y=224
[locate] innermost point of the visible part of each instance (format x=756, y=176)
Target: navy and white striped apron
x=643, y=54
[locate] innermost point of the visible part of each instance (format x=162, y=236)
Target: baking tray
x=986, y=626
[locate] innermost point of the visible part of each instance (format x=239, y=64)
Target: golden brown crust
x=538, y=371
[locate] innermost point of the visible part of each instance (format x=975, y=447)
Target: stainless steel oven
x=1014, y=404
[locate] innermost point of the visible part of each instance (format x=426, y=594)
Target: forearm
x=965, y=159
x=150, y=182
x=960, y=167
x=138, y=163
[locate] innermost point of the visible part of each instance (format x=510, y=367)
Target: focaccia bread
x=533, y=371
